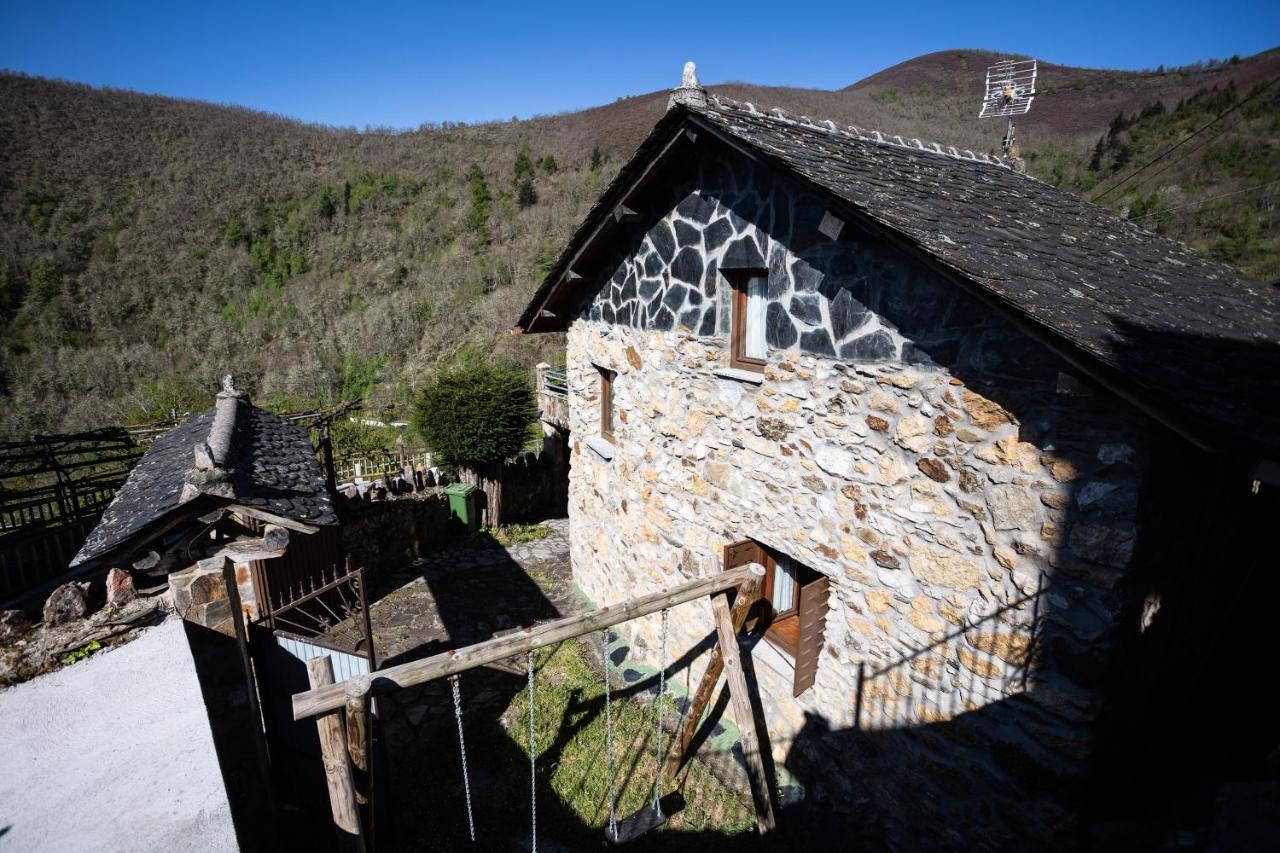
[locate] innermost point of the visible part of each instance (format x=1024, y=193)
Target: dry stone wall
x=973, y=503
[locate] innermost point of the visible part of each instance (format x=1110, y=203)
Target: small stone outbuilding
x=1006, y=457
x=235, y=482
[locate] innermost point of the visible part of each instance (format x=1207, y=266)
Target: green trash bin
x=462, y=504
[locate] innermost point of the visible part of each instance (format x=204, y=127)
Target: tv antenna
x=1011, y=87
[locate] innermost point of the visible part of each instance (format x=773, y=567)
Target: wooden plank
x=337, y=764
x=747, y=594
x=761, y=789
x=324, y=699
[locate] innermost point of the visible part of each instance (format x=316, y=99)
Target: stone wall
x=389, y=534
x=973, y=503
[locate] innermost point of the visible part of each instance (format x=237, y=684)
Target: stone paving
x=462, y=593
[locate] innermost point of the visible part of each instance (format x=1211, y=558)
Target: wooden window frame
x=798, y=633
x=738, y=319
x=606, y=403
x=782, y=628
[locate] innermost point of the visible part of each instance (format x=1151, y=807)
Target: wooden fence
x=53, y=490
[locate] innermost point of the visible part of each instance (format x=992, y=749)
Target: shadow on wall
x=1103, y=681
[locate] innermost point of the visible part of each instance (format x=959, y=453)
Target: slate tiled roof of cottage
x=1189, y=336
x=269, y=464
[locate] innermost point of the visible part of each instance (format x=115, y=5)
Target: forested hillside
x=149, y=245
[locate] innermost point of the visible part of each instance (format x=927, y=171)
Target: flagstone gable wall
x=973, y=502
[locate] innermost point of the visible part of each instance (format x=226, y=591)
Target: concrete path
x=113, y=753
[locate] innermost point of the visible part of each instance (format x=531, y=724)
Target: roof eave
x=630, y=177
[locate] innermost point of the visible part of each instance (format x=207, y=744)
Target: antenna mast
x=1010, y=89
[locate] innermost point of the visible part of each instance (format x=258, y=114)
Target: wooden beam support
x=272, y=518
x=322, y=700
x=337, y=764
x=715, y=666
x=761, y=789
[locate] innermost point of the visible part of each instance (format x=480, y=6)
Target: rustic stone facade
x=973, y=503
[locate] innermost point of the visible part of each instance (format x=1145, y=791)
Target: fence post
x=337, y=763
x=542, y=369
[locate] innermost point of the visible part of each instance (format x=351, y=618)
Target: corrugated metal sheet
x=344, y=665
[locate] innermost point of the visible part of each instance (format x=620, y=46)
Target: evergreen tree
x=549, y=164
x=42, y=281
x=597, y=159
x=526, y=195
x=478, y=216
x=1095, y=162
x=523, y=168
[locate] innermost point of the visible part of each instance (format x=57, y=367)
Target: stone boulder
x=66, y=604
x=120, y=588
x=13, y=624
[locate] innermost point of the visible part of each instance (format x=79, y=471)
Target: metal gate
x=332, y=620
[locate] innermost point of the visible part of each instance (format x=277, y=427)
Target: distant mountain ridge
x=148, y=245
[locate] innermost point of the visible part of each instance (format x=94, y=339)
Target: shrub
x=475, y=415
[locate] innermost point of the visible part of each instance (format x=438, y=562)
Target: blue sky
x=400, y=64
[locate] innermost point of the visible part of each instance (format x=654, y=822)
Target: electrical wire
x=1237, y=105
x=1202, y=201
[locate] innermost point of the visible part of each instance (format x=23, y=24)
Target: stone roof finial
x=690, y=92
x=229, y=387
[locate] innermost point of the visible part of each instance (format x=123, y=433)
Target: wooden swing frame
x=341, y=709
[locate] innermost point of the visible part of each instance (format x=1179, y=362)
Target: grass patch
x=569, y=693
x=516, y=534
x=569, y=741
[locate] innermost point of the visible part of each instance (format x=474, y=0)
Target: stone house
x=232, y=482
x=966, y=422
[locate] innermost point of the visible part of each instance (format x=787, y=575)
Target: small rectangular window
x=748, y=347
x=606, y=404
x=792, y=609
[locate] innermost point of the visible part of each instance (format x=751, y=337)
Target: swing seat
x=634, y=826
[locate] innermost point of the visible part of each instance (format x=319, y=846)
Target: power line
x=1237, y=105
x=1203, y=201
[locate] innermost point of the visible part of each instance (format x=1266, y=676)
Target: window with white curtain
x=783, y=597
x=757, y=298
x=748, y=348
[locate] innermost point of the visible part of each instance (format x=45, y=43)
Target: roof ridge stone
x=214, y=469
x=724, y=104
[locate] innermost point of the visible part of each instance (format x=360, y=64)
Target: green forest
x=150, y=245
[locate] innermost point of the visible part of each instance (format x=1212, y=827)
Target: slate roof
x=272, y=466
x=1195, y=341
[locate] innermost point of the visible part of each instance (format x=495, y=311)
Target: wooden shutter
x=742, y=553
x=813, y=624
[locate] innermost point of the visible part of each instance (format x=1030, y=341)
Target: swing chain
x=657, y=703
x=533, y=766
x=608, y=736
x=462, y=748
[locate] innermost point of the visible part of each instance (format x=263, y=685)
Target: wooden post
x=761, y=789
x=326, y=450
x=715, y=666
x=358, y=734
x=337, y=764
